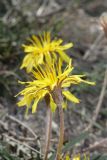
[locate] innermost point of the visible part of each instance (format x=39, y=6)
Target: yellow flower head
x=43, y=48
x=67, y=157
x=77, y=157
x=47, y=78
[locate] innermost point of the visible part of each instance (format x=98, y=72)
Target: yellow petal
x=64, y=75
x=66, y=84
x=54, y=56
x=28, y=62
x=40, y=59
x=48, y=58
x=34, y=106
x=30, y=48
x=70, y=97
x=21, y=102
x=25, y=61
x=30, y=67
x=76, y=157
x=67, y=46
x=88, y=82
x=67, y=157
x=36, y=39
x=64, y=104
x=26, y=100
x=59, y=65
x=40, y=94
x=64, y=56
x=52, y=104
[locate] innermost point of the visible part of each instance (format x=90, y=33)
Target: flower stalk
x=61, y=134
x=48, y=127
x=59, y=100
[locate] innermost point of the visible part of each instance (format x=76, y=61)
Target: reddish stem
x=59, y=99
x=48, y=127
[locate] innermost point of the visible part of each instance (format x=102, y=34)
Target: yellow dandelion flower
x=47, y=78
x=77, y=157
x=43, y=48
x=67, y=157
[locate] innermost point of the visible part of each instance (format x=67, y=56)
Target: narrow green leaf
x=103, y=157
x=95, y=157
x=73, y=141
x=52, y=157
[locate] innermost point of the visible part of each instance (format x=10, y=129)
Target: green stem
x=48, y=128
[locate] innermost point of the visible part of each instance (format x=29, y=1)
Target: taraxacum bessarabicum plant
x=50, y=80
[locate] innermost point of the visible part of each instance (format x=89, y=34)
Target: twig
x=103, y=21
x=4, y=125
x=102, y=143
x=93, y=46
x=98, y=107
x=47, y=7
x=22, y=124
x=24, y=144
x=87, y=119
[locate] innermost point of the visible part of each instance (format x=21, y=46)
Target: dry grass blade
x=22, y=124
x=98, y=107
x=93, y=46
x=23, y=144
x=101, y=144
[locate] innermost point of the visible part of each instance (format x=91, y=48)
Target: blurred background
x=74, y=21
